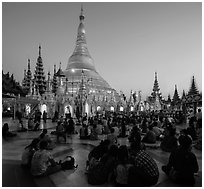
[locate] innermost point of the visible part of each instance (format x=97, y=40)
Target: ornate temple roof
x=82, y=60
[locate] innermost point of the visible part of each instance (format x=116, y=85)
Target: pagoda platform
x=14, y=176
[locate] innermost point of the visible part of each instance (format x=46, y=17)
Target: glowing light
x=121, y=108
x=112, y=108
x=73, y=70
x=131, y=108
x=98, y=108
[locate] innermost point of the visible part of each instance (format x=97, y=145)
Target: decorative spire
x=28, y=64
x=54, y=81
x=81, y=17
x=48, y=81
x=155, y=76
x=39, y=51
x=156, y=88
x=81, y=57
x=54, y=69
x=193, y=89
x=176, y=98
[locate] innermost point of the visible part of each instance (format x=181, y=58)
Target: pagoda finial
x=81, y=17
x=39, y=50
x=54, y=69
x=28, y=64
x=155, y=75
x=60, y=65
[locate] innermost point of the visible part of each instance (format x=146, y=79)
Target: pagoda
x=39, y=76
x=82, y=83
x=155, y=98
x=176, y=101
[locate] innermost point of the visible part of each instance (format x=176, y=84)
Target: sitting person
x=83, y=133
x=112, y=137
x=101, y=172
x=60, y=131
x=44, y=136
x=97, y=153
x=43, y=163
x=157, y=130
x=192, y=131
x=169, y=142
x=150, y=136
x=31, y=123
x=122, y=167
x=117, y=131
x=99, y=150
x=144, y=171
x=94, y=134
x=182, y=163
x=99, y=127
x=28, y=153
x=5, y=131
x=37, y=126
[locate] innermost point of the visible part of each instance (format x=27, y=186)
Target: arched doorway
x=43, y=108
x=68, y=109
x=112, y=108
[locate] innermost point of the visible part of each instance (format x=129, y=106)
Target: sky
x=129, y=41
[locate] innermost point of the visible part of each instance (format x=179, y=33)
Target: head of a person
x=43, y=144
x=59, y=123
x=6, y=127
x=35, y=143
x=112, y=130
x=44, y=131
x=185, y=142
x=199, y=110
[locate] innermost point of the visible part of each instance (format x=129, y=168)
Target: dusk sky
x=128, y=41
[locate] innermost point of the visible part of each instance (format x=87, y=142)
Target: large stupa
x=81, y=82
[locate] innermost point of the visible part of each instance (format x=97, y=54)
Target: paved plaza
x=14, y=176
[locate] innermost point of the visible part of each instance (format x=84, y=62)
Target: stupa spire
x=39, y=50
x=81, y=57
x=81, y=17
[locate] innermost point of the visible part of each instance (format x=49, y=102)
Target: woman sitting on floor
x=122, y=167
x=150, y=136
x=169, y=142
x=84, y=133
x=101, y=172
x=5, y=131
x=182, y=163
x=43, y=163
x=28, y=153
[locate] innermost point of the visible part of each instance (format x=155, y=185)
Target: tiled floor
x=14, y=175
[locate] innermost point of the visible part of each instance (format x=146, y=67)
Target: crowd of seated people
x=123, y=164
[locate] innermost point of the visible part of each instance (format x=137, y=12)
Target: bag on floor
x=68, y=163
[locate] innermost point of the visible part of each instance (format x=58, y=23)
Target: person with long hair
x=28, y=152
